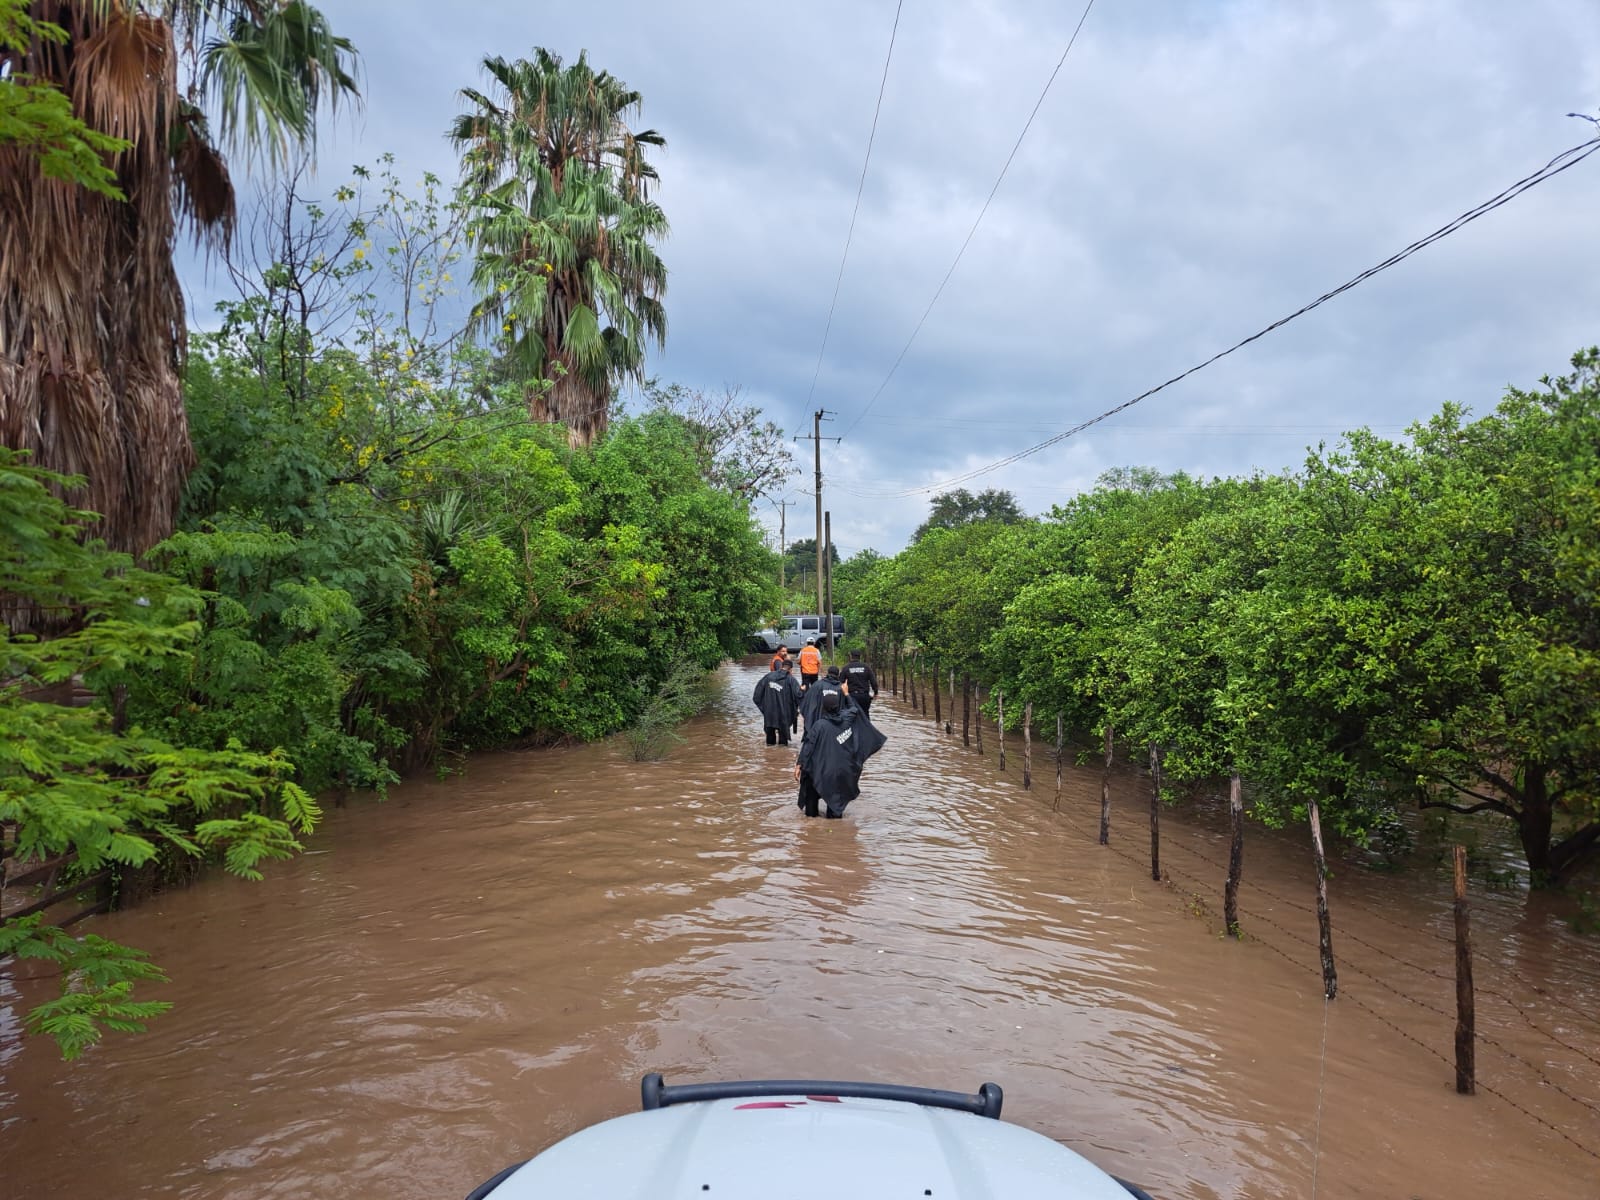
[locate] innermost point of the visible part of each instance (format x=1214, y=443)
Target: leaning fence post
x=1230, y=892
x=1105, y=792
x=1330, y=977
x=949, y=728
x=1155, y=812
x=1000, y=726
x=1466, y=1025
x=1027, y=745
x=1059, y=724
x=938, y=716
x=966, y=709
x=977, y=702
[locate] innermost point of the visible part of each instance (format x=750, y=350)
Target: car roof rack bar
x=656, y=1094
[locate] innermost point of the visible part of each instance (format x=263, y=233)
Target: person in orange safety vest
x=810, y=663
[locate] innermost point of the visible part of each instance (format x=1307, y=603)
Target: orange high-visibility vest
x=810, y=661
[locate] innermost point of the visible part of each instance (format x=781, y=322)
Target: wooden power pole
x=827, y=565
x=816, y=441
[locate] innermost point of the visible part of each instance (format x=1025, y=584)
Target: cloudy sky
x=1199, y=169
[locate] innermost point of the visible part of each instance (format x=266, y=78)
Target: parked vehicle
x=795, y=629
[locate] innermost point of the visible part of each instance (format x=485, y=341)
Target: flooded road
x=454, y=979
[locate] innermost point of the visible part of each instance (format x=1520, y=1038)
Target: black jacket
x=861, y=679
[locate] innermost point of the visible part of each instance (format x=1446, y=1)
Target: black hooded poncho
x=811, y=706
x=777, y=696
x=836, y=747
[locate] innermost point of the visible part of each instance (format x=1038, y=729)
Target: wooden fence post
x=1466, y=1024
x=1027, y=745
x=1059, y=724
x=1105, y=792
x=894, y=668
x=977, y=702
x=922, y=685
x=966, y=709
x=938, y=715
x=1155, y=812
x=1330, y=977
x=1000, y=726
x=1230, y=893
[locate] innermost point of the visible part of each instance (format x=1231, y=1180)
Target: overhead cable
x=939, y=291
x=1561, y=162
x=860, y=186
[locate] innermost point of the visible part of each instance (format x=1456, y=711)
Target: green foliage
x=72, y=780
x=1398, y=623
x=97, y=975
x=569, y=282
x=958, y=507
x=38, y=116
x=396, y=560
x=268, y=67
x=685, y=692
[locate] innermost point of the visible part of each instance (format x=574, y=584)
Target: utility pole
x=827, y=558
x=816, y=444
x=783, y=543
x=816, y=439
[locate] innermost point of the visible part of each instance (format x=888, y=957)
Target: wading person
x=861, y=683
x=835, y=748
x=777, y=695
x=810, y=663
x=831, y=683
x=778, y=659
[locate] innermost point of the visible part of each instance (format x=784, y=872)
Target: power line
x=939, y=291
x=860, y=186
x=1566, y=159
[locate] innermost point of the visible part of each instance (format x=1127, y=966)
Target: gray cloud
x=1196, y=172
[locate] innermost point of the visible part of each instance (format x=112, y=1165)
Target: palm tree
x=92, y=324
x=569, y=281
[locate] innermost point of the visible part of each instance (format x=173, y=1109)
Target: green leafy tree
x=958, y=507
x=1473, y=586
x=74, y=780
x=568, y=278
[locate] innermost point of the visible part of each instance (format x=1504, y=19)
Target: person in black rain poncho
x=831, y=683
x=777, y=695
x=837, y=744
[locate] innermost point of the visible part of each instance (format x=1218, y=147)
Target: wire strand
x=1567, y=158
x=939, y=291
x=860, y=187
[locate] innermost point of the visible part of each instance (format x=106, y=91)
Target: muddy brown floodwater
x=456, y=978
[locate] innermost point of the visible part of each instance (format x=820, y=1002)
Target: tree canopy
x=1398, y=623
x=568, y=279
x=953, y=509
